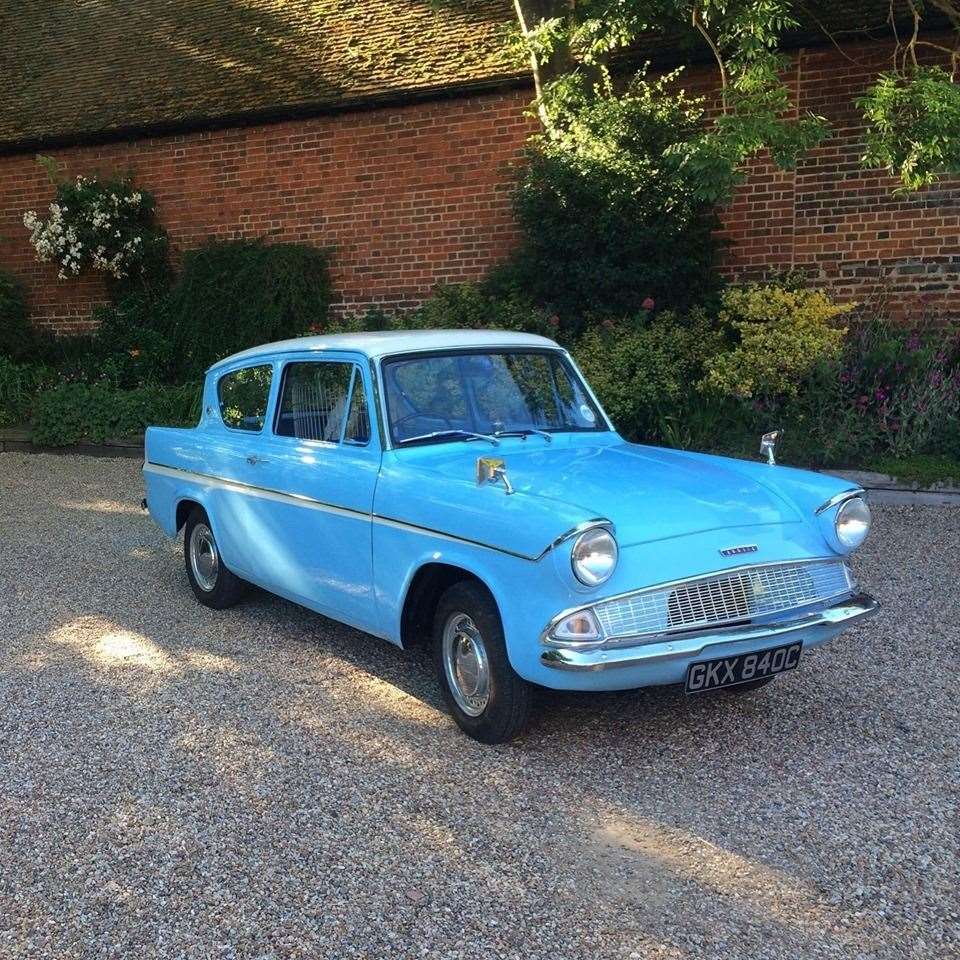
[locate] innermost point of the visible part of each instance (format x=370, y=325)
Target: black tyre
x=749, y=685
x=213, y=584
x=489, y=701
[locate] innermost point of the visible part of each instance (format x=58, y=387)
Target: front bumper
x=812, y=628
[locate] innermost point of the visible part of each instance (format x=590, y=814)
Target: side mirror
x=493, y=470
x=768, y=446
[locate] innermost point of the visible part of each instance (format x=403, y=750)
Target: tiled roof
x=84, y=66
x=72, y=69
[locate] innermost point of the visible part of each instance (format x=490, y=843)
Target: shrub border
x=17, y=440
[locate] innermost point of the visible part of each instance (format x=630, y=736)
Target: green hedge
x=609, y=210
x=877, y=389
x=19, y=385
x=16, y=334
x=238, y=294
x=79, y=412
x=153, y=343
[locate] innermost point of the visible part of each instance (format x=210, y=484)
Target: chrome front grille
x=724, y=598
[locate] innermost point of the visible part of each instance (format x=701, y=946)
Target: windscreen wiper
x=436, y=434
x=525, y=433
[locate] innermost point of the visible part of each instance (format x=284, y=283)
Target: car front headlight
x=594, y=556
x=852, y=522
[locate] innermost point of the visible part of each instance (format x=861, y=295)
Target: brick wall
x=843, y=224
x=413, y=195
x=406, y=197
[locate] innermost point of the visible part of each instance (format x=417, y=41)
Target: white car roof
x=384, y=343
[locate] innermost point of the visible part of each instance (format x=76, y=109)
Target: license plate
x=729, y=671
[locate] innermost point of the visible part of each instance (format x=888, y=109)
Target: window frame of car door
x=215, y=408
x=356, y=375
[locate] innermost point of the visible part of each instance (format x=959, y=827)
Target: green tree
x=912, y=110
x=613, y=218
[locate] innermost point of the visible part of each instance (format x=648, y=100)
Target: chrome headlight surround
x=845, y=520
x=852, y=522
x=594, y=556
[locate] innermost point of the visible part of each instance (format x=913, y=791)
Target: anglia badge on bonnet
x=736, y=551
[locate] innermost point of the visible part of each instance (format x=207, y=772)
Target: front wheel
x=213, y=584
x=487, y=698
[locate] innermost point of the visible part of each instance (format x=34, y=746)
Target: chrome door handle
x=253, y=460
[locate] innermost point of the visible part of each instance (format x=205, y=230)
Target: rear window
x=243, y=396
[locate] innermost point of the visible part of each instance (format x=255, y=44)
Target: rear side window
x=323, y=400
x=243, y=396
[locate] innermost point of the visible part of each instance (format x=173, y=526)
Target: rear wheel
x=487, y=698
x=213, y=584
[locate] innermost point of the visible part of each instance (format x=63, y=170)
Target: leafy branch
x=911, y=111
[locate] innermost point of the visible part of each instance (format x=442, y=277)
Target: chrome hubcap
x=204, y=558
x=466, y=665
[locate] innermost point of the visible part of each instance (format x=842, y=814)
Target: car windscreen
x=447, y=396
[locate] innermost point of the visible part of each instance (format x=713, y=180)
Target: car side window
x=314, y=401
x=358, y=419
x=243, y=396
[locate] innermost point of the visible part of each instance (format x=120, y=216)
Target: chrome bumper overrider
x=677, y=646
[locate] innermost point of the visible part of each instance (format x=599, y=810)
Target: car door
x=236, y=432
x=321, y=461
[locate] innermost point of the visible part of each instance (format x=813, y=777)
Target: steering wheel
x=398, y=424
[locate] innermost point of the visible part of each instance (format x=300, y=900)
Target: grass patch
x=924, y=469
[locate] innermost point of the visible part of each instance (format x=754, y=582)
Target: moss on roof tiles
x=94, y=66
x=91, y=68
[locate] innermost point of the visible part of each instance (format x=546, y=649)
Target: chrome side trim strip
x=310, y=503
x=839, y=498
x=840, y=615
x=264, y=493
x=427, y=531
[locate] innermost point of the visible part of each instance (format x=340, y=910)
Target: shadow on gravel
x=190, y=726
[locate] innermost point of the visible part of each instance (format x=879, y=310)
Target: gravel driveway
x=262, y=783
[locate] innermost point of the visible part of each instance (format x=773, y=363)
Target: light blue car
x=466, y=489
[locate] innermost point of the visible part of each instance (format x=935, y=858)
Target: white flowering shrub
x=105, y=225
